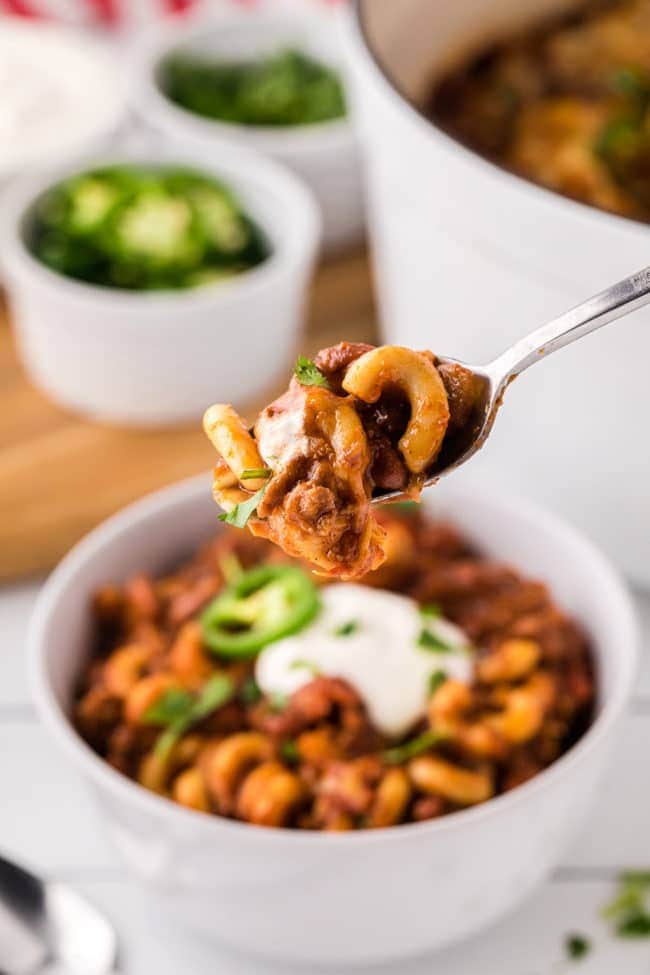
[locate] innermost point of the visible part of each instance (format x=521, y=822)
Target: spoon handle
x=620, y=299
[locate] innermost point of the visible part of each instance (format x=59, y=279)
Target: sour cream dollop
x=371, y=639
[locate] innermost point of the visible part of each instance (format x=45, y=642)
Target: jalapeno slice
x=263, y=605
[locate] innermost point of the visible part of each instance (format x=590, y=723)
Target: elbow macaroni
x=321, y=457
x=461, y=786
x=227, y=432
x=415, y=375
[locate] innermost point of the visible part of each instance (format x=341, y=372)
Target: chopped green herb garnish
x=240, y=514
x=633, y=82
x=249, y=691
x=277, y=701
x=289, y=752
x=404, y=507
x=214, y=694
x=172, y=706
x=305, y=665
x=346, y=629
x=279, y=88
x=577, y=946
x=308, y=374
x=436, y=680
x=432, y=610
x=430, y=641
x=423, y=742
x=639, y=878
x=635, y=926
x=252, y=472
x=628, y=910
x=177, y=710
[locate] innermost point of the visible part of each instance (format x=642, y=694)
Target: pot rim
x=499, y=174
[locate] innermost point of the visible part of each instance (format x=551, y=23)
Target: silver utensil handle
x=614, y=302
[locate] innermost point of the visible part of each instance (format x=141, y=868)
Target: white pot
x=326, y=897
x=469, y=258
x=325, y=154
x=153, y=358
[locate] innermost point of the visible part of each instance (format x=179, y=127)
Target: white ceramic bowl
x=62, y=94
x=345, y=898
x=153, y=358
x=469, y=258
x=325, y=154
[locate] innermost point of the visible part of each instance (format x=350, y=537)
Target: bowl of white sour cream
x=62, y=95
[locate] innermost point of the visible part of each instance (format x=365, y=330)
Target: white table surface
x=47, y=819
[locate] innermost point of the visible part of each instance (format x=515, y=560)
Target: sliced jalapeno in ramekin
x=264, y=604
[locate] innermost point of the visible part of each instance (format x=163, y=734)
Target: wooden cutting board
x=61, y=474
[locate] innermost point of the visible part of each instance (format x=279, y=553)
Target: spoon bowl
x=43, y=921
x=461, y=444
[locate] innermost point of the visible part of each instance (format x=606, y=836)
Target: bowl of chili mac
x=337, y=772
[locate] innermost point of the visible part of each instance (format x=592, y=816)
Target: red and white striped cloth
x=92, y=12
x=86, y=13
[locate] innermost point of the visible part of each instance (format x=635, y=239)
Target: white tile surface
x=48, y=820
x=529, y=942
x=47, y=816
x=16, y=604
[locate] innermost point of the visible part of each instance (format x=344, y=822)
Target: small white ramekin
x=62, y=94
x=340, y=898
x=155, y=358
x=325, y=154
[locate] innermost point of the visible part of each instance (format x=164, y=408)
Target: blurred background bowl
x=469, y=257
x=61, y=93
x=324, y=154
x=160, y=357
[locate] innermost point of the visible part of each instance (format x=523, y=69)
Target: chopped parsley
x=628, y=910
x=172, y=706
x=308, y=374
x=635, y=926
x=249, y=692
x=430, y=641
x=240, y=514
x=436, y=680
x=305, y=665
x=423, y=742
x=177, y=710
x=252, y=472
x=576, y=946
x=404, y=507
x=289, y=752
x=346, y=629
x=431, y=610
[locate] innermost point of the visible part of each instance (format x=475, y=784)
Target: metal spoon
x=495, y=377
x=44, y=922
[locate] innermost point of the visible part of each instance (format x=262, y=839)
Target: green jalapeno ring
x=264, y=604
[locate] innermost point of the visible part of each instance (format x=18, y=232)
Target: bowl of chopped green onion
x=271, y=81
x=141, y=288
